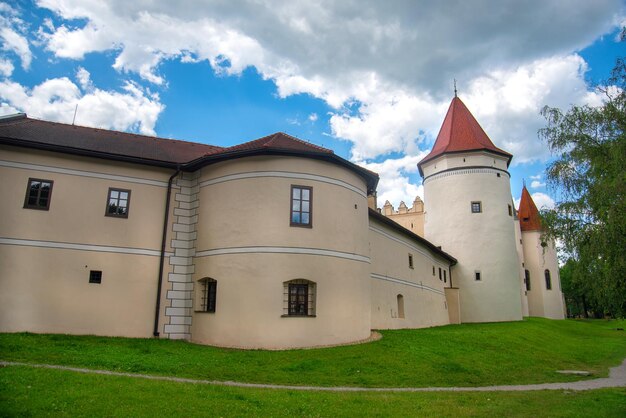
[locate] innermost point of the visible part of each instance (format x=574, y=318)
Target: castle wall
x=422, y=292
x=482, y=242
x=46, y=255
x=245, y=243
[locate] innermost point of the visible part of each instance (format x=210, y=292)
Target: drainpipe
x=162, y=259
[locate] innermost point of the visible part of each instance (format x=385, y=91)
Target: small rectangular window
x=118, y=203
x=440, y=278
x=209, y=295
x=38, y=194
x=95, y=276
x=477, y=207
x=445, y=276
x=477, y=276
x=527, y=279
x=548, y=280
x=433, y=270
x=410, y=261
x=510, y=210
x=301, y=206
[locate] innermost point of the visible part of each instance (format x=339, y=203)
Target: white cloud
x=543, y=201
x=6, y=67
x=535, y=184
x=313, y=117
x=13, y=35
x=84, y=78
x=394, y=184
x=132, y=110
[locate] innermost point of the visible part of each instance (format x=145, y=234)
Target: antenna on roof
x=455, y=87
x=75, y=110
x=524, y=182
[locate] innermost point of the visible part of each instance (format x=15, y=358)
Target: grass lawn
x=529, y=351
x=38, y=392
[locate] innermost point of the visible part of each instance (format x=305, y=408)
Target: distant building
x=274, y=243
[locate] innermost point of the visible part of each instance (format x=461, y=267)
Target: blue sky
x=371, y=81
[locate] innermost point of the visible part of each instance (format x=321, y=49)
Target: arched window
x=208, y=294
x=400, y=306
x=299, y=298
x=548, y=279
x=527, y=279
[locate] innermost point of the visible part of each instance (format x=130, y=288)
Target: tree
x=589, y=178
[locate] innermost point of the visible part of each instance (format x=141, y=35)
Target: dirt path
x=617, y=378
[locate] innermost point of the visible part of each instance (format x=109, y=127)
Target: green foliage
x=26, y=392
x=522, y=352
x=590, y=179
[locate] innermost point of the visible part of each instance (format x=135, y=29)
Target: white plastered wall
x=482, y=242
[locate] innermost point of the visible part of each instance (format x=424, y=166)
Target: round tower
x=541, y=267
x=468, y=212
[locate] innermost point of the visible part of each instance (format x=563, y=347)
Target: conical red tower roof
x=529, y=219
x=461, y=132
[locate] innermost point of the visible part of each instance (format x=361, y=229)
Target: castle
x=274, y=243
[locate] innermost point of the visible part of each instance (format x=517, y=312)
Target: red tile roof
x=461, y=132
x=42, y=133
x=23, y=131
x=529, y=218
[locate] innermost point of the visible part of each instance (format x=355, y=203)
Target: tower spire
x=455, y=88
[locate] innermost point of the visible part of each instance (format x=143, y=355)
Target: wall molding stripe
x=82, y=173
x=283, y=174
x=406, y=283
x=283, y=250
x=465, y=170
x=81, y=247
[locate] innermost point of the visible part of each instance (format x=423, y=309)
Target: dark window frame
x=527, y=279
x=37, y=205
x=299, y=298
x=478, y=276
x=476, y=204
x=548, y=277
x=107, y=211
x=208, y=301
x=411, y=261
x=299, y=212
x=95, y=276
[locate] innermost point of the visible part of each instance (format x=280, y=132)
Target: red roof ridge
x=529, y=218
x=279, y=140
x=459, y=132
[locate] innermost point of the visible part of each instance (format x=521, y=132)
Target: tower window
x=301, y=200
x=400, y=300
x=440, y=278
x=477, y=276
x=477, y=207
x=95, y=276
x=445, y=276
x=548, y=280
x=510, y=210
x=410, y=261
x=299, y=298
x=527, y=279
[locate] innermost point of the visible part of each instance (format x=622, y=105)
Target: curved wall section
x=245, y=242
x=483, y=242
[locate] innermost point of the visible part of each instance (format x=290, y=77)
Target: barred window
x=548, y=280
x=38, y=194
x=118, y=203
x=299, y=298
x=208, y=294
x=477, y=207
